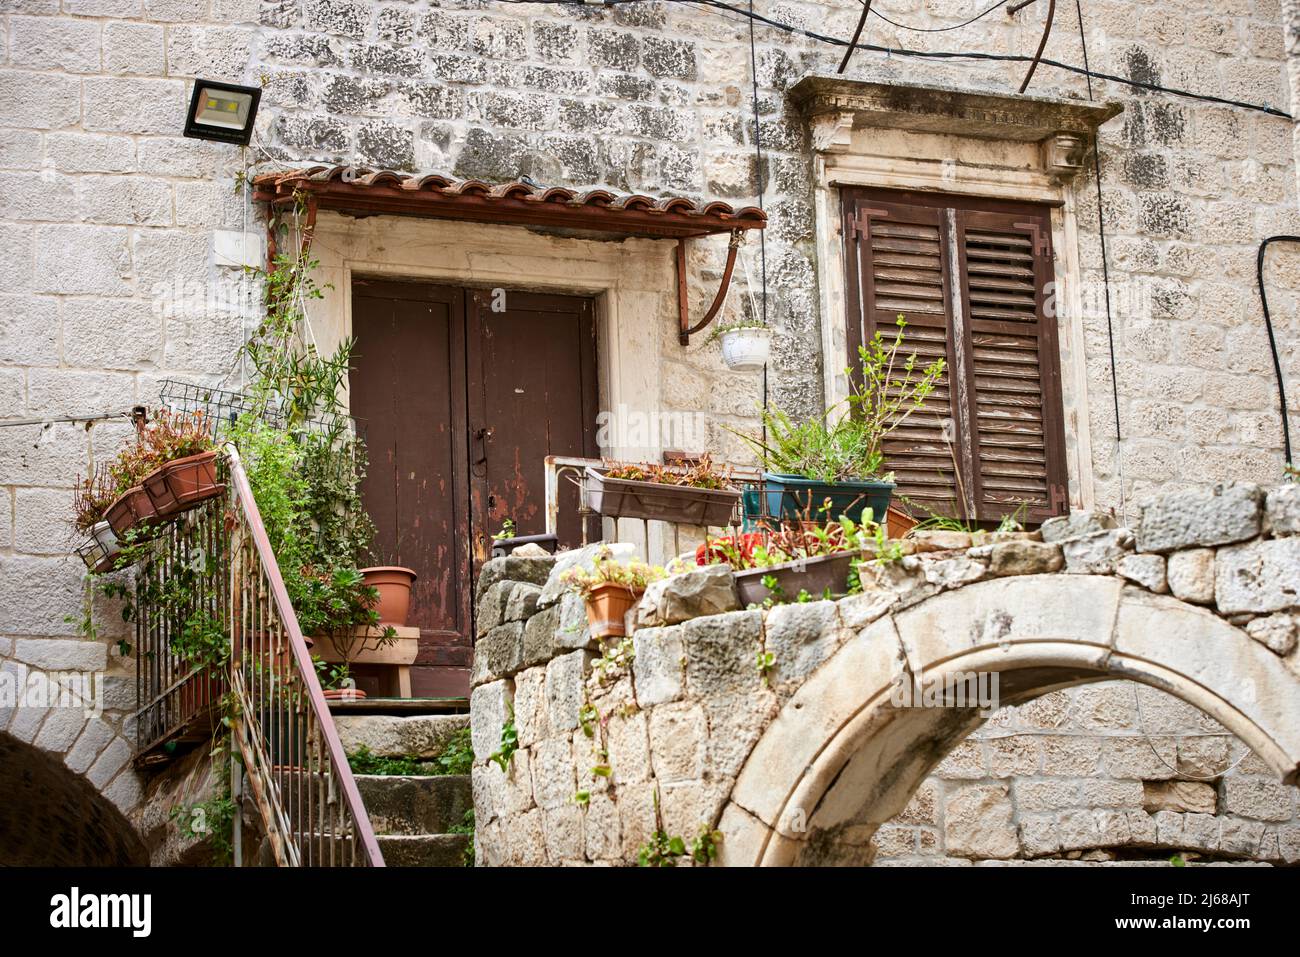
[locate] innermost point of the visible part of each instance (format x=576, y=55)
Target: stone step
x=423, y=850
x=422, y=737
x=415, y=805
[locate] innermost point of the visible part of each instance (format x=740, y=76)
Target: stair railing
x=293, y=761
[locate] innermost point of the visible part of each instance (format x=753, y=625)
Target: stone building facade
x=121, y=245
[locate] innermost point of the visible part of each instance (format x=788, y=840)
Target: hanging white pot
x=100, y=548
x=746, y=348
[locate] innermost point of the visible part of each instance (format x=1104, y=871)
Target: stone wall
x=659, y=733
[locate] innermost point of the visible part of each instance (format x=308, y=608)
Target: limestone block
x=628, y=742
x=499, y=653
x=1076, y=525
x=678, y=741
x=637, y=820
x=489, y=708
x=1263, y=799
x=1282, y=510
x=514, y=568
x=539, y=637
x=601, y=829
x=735, y=724
x=1098, y=553
x=572, y=629
x=800, y=637
x=710, y=590
x=938, y=540
x=978, y=821
x=954, y=572
x=1195, y=796
x=658, y=665
x=1191, y=575
x=721, y=653
x=564, y=837
x=1038, y=835
x=491, y=610
x=532, y=715
x=1241, y=837
x=511, y=790
x=1258, y=577
x=1201, y=517
x=422, y=736
x=522, y=602
x=565, y=677
x=1276, y=632
x=554, y=773
x=1025, y=558
x=1147, y=570
x=744, y=835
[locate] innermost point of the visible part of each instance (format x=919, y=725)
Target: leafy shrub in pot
x=834, y=464
x=610, y=588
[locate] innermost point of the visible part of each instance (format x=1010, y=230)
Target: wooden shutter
x=1016, y=438
x=971, y=279
x=902, y=252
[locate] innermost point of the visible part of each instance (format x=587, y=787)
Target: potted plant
x=392, y=587
x=834, y=464
x=184, y=456
x=92, y=497
x=697, y=493
x=746, y=344
x=798, y=561
x=610, y=589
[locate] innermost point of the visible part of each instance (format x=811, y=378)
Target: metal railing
x=292, y=759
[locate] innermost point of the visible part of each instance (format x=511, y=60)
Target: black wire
x=976, y=55
x=1272, y=342
x=955, y=26
x=1101, y=233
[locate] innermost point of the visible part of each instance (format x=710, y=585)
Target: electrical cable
x=1272, y=341
x=955, y=26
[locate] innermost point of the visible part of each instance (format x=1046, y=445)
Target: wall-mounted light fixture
x=222, y=111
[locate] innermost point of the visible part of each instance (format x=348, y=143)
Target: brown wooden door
x=532, y=393
x=407, y=392
x=459, y=404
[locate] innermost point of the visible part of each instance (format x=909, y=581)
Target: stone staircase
x=413, y=817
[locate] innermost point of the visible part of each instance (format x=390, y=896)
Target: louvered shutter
x=901, y=253
x=972, y=280
x=1012, y=370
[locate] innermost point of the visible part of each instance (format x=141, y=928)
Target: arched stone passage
x=51, y=816
x=840, y=759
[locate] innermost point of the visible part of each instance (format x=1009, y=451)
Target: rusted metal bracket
x=684, y=328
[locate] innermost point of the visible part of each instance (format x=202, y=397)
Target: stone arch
x=53, y=816
x=840, y=759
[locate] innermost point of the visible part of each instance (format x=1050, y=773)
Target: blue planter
x=793, y=497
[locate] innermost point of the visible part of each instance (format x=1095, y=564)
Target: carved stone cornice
x=835, y=106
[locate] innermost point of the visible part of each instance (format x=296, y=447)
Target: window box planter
x=100, y=548
x=746, y=348
x=655, y=501
x=607, y=608
x=393, y=582
x=131, y=509
x=794, y=497
x=182, y=484
x=813, y=575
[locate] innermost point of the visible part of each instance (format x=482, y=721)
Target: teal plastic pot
x=794, y=498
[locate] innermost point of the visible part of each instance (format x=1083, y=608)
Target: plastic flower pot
x=191, y=481
x=393, y=582
x=797, y=498
x=155, y=486
x=681, y=504
x=746, y=349
x=607, y=607
x=813, y=575
x=133, y=507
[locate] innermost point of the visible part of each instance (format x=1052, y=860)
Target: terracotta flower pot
x=344, y=694
x=155, y=486
x=133, y=507
x=607, y=606
x=191, y=480
x=393, y=582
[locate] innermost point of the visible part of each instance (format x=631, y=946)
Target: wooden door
x=407, y=392
x=459, y=403
x=532, y=393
